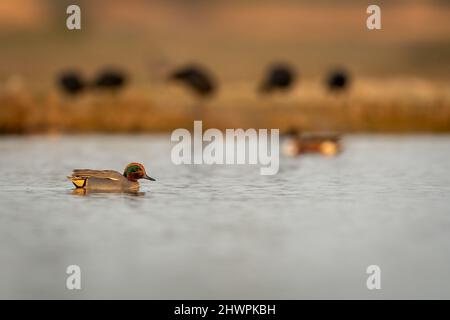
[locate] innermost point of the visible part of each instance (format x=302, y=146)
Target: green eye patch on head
x=131, y=169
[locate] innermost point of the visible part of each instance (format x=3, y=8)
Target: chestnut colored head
x=135, y=171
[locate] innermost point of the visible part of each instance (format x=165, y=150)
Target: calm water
x=226, y=231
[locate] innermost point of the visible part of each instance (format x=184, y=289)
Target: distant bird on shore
x=338, y=81
x=110, y=80
x=196, y=78
x=279, y=77
x=71, y=83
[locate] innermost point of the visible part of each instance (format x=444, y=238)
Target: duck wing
x=102, y=174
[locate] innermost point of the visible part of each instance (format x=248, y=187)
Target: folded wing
x=80, y=176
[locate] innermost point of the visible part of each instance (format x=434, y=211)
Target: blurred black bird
x=279, y=77
x=71, y=82
x=110, y=79
x=338, y=81
x=196, y=78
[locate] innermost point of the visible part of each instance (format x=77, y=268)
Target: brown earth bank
x=393, y=106
x=400, y=75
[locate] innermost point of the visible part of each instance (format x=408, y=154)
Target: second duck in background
x=295, y=143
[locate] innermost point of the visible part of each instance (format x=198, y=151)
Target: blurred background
x=225, y=231
x=398, y=77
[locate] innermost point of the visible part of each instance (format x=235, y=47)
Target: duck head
x=135, y=171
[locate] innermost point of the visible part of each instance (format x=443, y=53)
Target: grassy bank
x=401, y=105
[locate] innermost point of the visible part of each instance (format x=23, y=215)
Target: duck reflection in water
x=84, y=192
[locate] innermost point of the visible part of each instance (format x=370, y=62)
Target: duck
x=110, y=180
x=196, y=78
x=295, y=144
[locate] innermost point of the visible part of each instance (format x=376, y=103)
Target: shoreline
x=371, y=106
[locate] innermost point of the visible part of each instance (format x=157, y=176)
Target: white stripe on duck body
x=110, y=180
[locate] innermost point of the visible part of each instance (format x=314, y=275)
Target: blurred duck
x=110, y=180
x=295, y=144
x=279, y=77
x=338, y=81
x=195, y=78
x=71, y=83
x=110, y=79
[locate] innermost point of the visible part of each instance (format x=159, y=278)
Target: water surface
x=225, y=231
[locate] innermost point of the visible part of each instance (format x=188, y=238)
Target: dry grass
x=402, y=105
x=236, y=40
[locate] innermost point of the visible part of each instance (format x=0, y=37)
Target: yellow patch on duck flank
x=79, y=183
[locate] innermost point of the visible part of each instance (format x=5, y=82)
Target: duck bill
x=148, y=178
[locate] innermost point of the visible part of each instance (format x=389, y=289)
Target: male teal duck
x=296, y=144
x=110, y=180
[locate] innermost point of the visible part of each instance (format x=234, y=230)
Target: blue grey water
x=226, y=231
